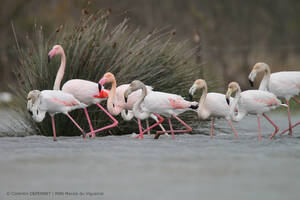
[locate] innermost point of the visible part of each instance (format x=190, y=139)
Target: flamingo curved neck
x=60, y=72
x=113, y=109
x=201, y=109
x=234, y=106
x=137, y=109
x=264, y=85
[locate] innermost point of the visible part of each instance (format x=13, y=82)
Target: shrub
x=94, y=47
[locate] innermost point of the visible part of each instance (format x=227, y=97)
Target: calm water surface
x=189, y=167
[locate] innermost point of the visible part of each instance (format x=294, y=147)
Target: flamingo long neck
x=113, y=109
x=234, y=107
x=60, y=72
x=264, y=85
x=201, y=109
x=137, y=109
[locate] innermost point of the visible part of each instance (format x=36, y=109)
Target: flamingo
x=285, y=84
x=116, y=103
x=211, y=105
x=166, y=104
x=83, y=90
x=137, y=110
x=255, y=102
x=53, y=102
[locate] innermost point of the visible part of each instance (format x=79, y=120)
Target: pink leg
x=53, y=128
x=290, y=122
x=106, y=127
x=161, y=119
x=296, y=124
x=74, y=122
x=188, y=128
x=233, y=129
x=89, y=121
x=141, y=135
x=259, y=130
x=276, y=127
x=171, y=128
x=212, y=128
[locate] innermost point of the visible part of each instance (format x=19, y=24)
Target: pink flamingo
x=53, y=102
x=211, y=105
x=166, y=104
x=255, y=102
x=116, y=102
x=284, y=84
x=85, y=91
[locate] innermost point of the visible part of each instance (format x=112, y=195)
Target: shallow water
x=121, y=167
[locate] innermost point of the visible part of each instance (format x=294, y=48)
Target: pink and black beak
x=99, y=87
x=251, y=83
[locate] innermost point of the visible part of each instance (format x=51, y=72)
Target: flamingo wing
x=285, y=84
x=257, y=101
x=56, y=101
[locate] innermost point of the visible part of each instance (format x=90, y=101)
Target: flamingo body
x=215, y=105
x=284, y=84
x=85, y=91
x=166, y=104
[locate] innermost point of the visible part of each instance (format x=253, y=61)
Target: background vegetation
x=229, y=36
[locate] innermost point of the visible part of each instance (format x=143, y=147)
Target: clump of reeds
x=94, y=47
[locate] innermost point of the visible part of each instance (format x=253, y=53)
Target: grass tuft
x=94, y=47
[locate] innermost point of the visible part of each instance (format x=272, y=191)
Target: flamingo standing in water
x=53, y=102
x=166, y=104
x=85, y=91
x=211, y=105
x=255, y=102
x=137, y=110
x=284, y=84
x=116, y=103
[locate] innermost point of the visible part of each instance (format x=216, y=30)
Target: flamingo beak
x=251, y=83
x=49, y=58
x=30, y=112
x=228, y=94
x=103, y=80
x=99, y=87
x=191, y=97
x=125, y=99
x=228, y=101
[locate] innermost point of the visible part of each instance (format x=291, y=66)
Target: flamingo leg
x=171, y=128
x=233, y=129
x=259, y=130
x=276, y=127
x=74, y=122
x=160, y=125
x=53, y=128
x=188, y=128
x=115, y=122
x=289, y=115
x=141, y=135
x=212, y=128
x=89, y=121
x=147, y=124
x=161, y=119
x=290, y=122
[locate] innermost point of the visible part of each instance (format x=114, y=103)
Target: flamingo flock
x=142, y=102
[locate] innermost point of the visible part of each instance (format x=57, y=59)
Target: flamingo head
x=56, y=50
x=107, y=78
x=257, y=68
x=232, y=87
x=198, y=84
x=134, y=85
x=33, y=103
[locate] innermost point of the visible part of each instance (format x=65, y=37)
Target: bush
x=94, y=47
